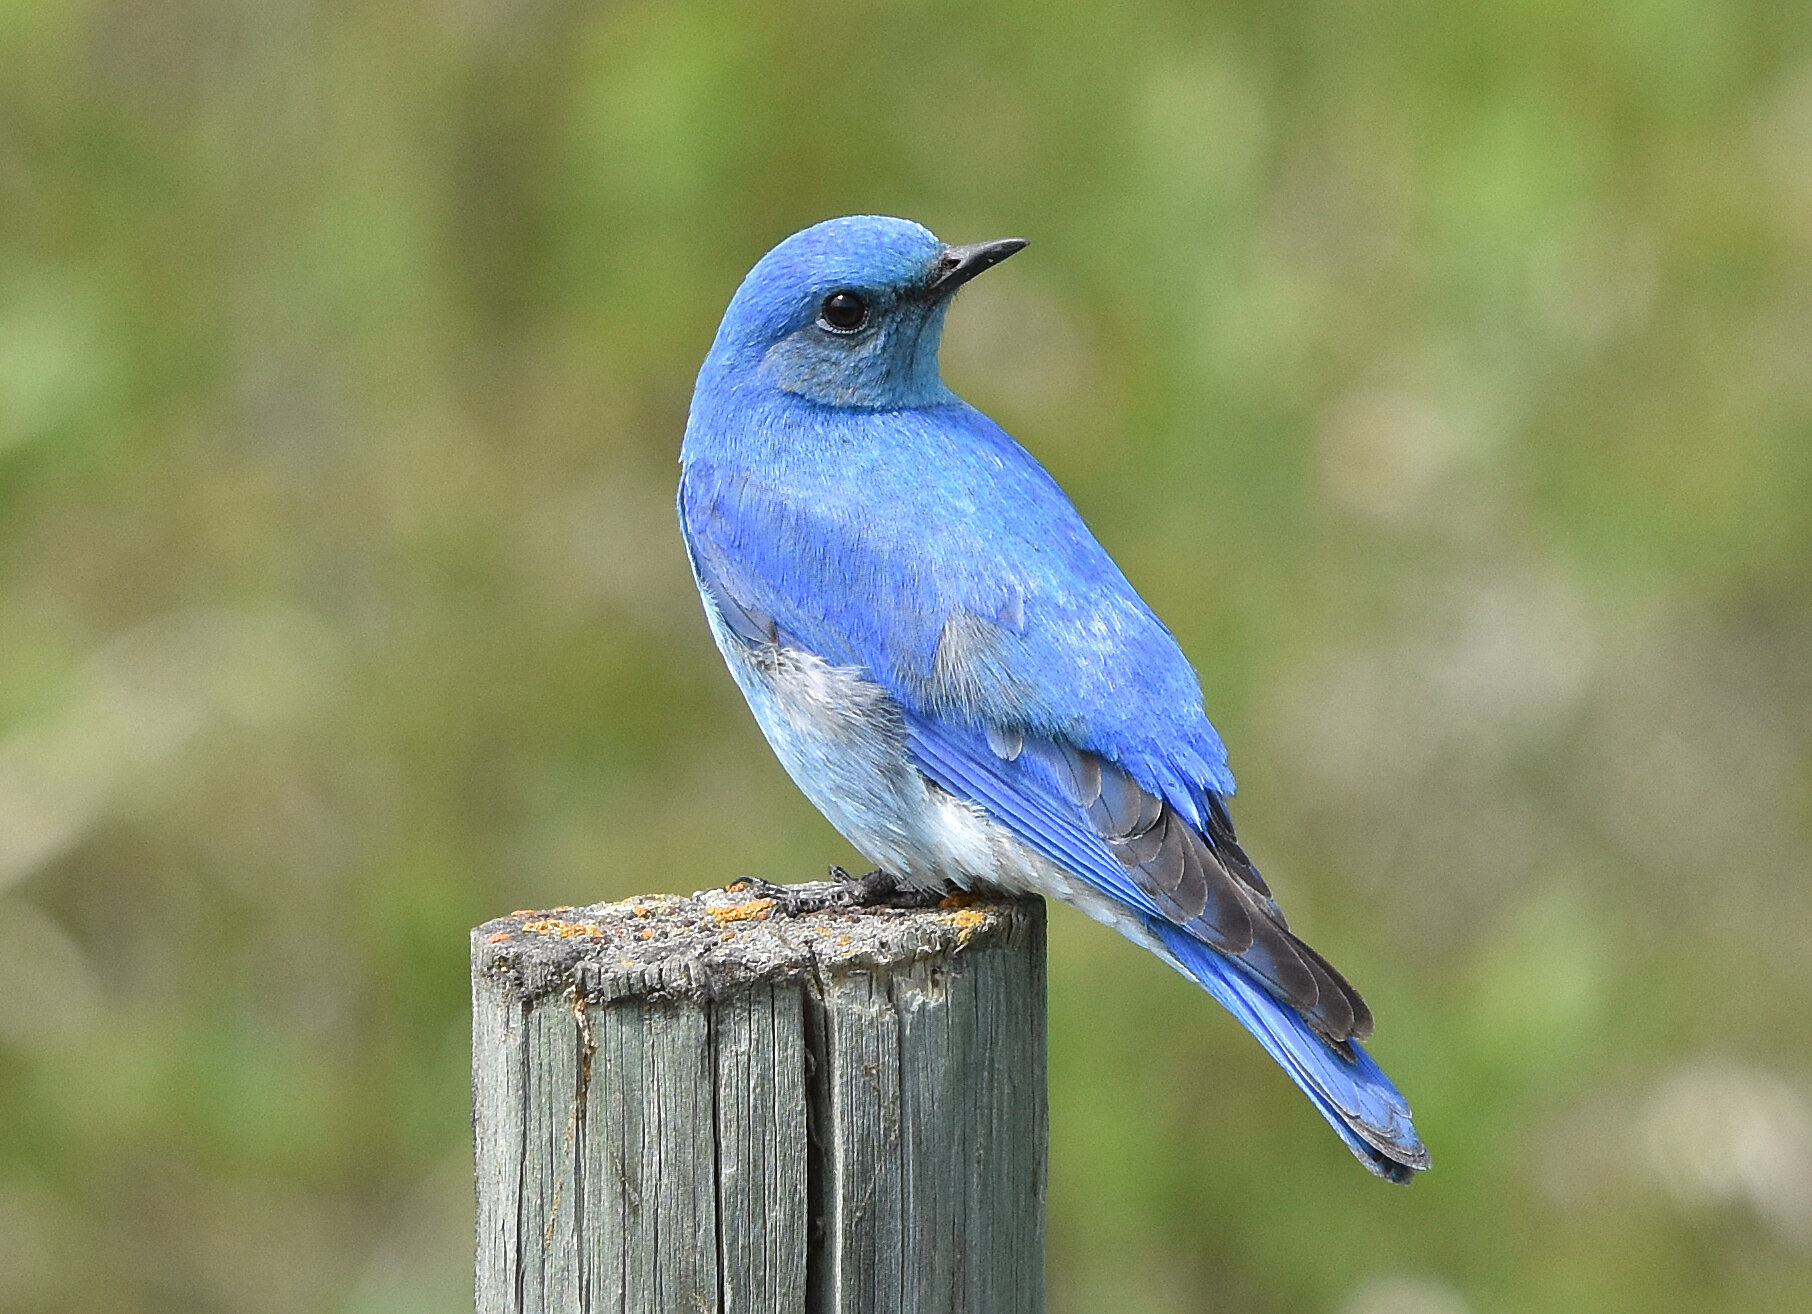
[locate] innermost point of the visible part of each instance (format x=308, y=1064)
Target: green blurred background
x=1441, y=373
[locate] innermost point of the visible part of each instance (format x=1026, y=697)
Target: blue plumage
x=954, y=670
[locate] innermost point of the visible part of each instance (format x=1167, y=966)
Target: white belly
x=842, y=739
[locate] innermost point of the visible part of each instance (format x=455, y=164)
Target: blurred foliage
x=1441, y=373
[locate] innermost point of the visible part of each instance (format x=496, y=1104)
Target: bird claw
x=789, y=900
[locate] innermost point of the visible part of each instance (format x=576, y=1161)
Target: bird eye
x=843, y=312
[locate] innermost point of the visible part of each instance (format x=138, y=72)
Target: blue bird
x=954, y=671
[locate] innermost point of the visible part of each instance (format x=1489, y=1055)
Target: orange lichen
x=565, y=930
x=645, y=935
x=966, y=920
x=753, y=910
x=958, y=899
x=497, y=937
x=640, y=910
x=523, y=912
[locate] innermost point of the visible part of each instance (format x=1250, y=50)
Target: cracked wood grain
x=700, y=1106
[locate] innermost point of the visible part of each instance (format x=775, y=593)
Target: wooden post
x=702, y=1106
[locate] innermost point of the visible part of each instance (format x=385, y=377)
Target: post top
x=715, y=941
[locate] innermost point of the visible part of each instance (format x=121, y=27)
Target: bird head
x=849, y=312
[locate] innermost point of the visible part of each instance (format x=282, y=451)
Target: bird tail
x=1343, y=1082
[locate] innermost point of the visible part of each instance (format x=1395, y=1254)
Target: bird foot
x=880, y=888
x=842, y=892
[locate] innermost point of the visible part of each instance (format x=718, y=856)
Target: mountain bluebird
x=954, y=670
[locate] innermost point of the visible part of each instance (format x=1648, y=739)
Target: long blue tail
x=1351, y=1090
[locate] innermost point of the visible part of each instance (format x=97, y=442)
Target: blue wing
x=1034, y=683
x=1090, y=819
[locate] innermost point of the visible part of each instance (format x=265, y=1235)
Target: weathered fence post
x=702, y=1106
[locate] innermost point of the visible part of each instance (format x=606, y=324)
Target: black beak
x=958, y=264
